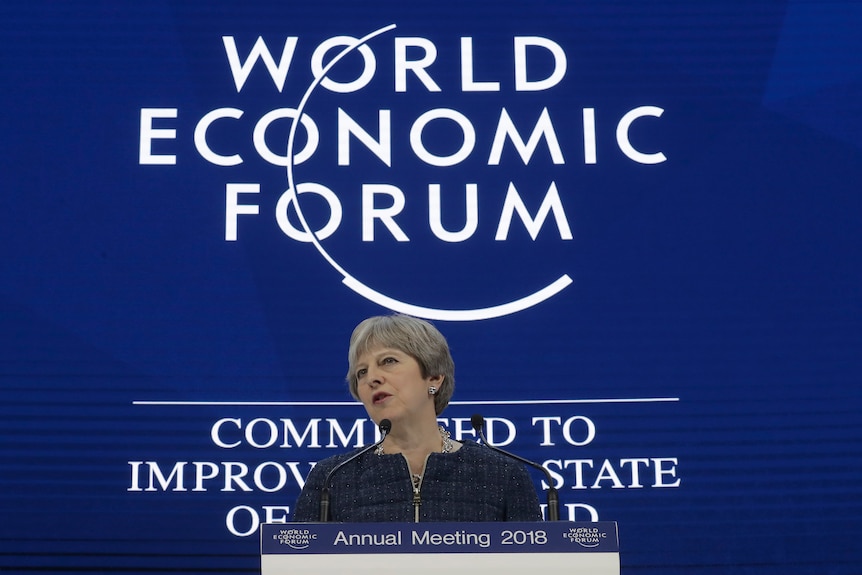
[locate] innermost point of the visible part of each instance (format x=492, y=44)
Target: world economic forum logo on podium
x=295, y=538
x=442, y=184
x=588, y=537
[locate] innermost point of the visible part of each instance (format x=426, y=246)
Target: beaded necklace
x=444, y=435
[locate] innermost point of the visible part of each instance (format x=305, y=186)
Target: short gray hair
x=417, y=338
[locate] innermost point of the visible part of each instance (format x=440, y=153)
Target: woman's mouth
x=380, y=397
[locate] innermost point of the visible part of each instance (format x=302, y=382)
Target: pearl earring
x=432, y=390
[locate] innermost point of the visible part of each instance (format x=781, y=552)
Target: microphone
x=385, y=426
x=478, y=423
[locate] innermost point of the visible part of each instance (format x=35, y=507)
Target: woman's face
x=390, y=385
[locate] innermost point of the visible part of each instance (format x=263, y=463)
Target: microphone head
x=385, y=426
x=477, y=421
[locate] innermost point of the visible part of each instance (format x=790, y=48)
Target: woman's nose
x=372, y=377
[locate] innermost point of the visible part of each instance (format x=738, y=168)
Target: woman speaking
x=401, y=370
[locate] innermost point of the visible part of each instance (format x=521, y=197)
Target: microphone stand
x=553, y=501
x=385, y=426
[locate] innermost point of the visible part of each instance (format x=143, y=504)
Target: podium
x=439, y=548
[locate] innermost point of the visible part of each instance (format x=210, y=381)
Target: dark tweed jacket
x=471, y=484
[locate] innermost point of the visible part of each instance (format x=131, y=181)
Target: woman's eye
x=389, y=360
x=361, y=373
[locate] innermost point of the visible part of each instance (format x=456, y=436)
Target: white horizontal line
x=567, y=401
x=354, y=403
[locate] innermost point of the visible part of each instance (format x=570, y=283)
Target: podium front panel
x=434, y=548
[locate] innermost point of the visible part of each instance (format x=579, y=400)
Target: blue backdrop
x=638, y=225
